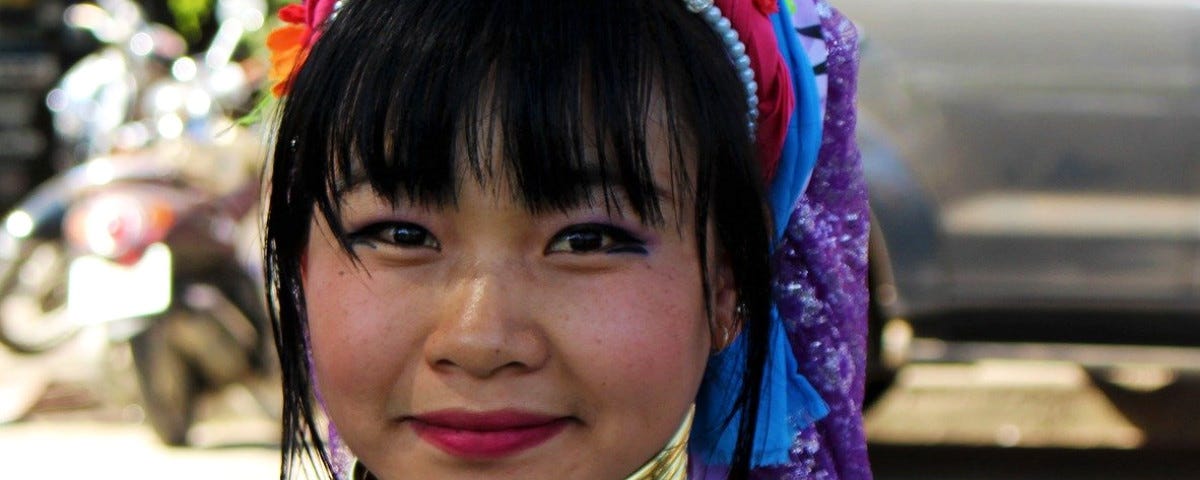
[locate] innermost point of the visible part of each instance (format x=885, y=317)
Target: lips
x=486, y=435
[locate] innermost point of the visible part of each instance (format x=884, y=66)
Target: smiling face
x=464, y=313
x=480, y=340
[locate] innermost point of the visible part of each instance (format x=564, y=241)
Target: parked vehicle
x=145, y=243
x=159, y=259
x=1033, y=157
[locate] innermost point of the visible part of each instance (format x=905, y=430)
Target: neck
x=672, y=462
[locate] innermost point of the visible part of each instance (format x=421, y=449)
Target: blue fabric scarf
x=788, y=402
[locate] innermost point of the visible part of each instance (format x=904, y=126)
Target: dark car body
x=1032, y=155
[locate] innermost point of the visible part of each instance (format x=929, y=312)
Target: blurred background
x=1035, y=257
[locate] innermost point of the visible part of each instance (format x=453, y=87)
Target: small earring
x=727, y=331
x=722, y=338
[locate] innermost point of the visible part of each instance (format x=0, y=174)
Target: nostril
x=486, y=353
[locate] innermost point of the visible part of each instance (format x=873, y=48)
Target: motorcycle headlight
x=117, y=226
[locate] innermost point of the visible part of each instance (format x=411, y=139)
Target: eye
x=595, y=238
x=395, y=234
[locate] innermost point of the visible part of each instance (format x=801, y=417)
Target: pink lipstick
x=486, y=435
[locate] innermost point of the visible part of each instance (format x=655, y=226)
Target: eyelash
x=619, y=239
x=389, y=233
x=612, y=239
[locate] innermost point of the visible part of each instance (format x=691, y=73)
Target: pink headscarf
x=775, y=97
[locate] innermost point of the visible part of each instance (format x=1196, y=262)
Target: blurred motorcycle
x=155, y=260
x=99, y=93
x=90, y=102
x=146, y=242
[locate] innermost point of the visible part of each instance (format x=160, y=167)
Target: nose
x=488, y=327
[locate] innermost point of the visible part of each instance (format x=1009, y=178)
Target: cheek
x=355, y=349
x=333, y=325
x=642, y=342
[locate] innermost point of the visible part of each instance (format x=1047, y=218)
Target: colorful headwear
x=810, y=417
x=290, y=42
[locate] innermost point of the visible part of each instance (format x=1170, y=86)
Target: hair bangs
x=554, y=101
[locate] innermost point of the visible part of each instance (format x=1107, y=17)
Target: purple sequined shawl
x=821, y=286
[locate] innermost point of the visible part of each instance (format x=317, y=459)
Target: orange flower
x=288, y=44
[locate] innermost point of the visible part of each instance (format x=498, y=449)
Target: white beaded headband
x=736, y=49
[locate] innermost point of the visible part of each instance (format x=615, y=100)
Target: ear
x=726, y=322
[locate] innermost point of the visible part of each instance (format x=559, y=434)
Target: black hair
x=412, y=96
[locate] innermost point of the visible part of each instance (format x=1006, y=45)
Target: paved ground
x=74, y=414
x=999, y=420
x=1040, y=404
x=89, y=449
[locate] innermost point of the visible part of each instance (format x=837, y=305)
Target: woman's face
x=483, y=341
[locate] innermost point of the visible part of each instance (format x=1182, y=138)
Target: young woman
x=597, y=239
